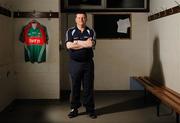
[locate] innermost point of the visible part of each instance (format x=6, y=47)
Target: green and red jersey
x=35, y=39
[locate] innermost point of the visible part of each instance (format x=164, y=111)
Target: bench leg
x=145, y=96
x=177, y=118
x=158, y=108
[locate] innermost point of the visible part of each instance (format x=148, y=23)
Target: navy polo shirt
x=83, y=54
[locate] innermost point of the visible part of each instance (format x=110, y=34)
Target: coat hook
x=165, y=12
x=34, y=14
x=159, y=14
x=163, y=8
x=50, y=15
x=172, y=10
x=153, y=15
x=177, y=3
x=18, y=12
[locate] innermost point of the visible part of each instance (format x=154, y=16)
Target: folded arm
x=73, y=45
x=78, y=44
x=87, y=44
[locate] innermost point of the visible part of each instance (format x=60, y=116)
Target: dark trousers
x=82, y=72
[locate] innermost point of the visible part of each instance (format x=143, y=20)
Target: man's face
x=81, y=19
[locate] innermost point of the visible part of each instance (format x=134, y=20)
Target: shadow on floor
x=27, y=111
x=128, y=105
x=30, y=111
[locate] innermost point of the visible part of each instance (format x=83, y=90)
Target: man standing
x=80, y=41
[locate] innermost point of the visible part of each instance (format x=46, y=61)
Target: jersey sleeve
x=93, y=35
x=21, y=36
x=47, y=36
x=69, y=37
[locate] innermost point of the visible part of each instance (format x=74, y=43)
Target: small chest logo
x=76, y=38
x=86, y=37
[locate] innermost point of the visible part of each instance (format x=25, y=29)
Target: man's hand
x=89, y=42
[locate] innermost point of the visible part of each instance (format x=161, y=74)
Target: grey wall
x=7, y=75
x=165, y=45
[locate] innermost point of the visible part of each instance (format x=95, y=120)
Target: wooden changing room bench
x=162, y=93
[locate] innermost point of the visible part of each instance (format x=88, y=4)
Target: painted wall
x=116, y=60
x=37, y=81
x=165, y=42
x=7, y=75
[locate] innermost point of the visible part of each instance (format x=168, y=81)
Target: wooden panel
x=164, y=13
x=36, y=15
x=5, y=11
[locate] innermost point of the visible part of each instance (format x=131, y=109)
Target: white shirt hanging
x=123, y=25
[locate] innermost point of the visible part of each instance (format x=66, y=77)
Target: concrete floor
x=125, y=107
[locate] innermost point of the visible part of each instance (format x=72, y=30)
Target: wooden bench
x=162, y=93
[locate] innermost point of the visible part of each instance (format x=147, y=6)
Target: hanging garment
x=123, y=25
x=35, y=37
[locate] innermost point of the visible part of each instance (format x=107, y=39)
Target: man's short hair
x=81, y=12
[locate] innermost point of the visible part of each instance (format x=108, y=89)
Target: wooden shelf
x=5, y=11
x=36, y=15
x=164, y=13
